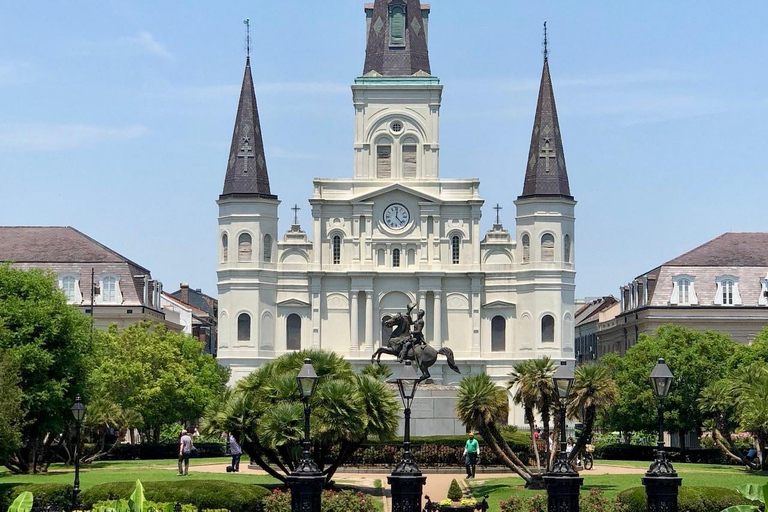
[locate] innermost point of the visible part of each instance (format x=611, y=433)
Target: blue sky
x=116, y=117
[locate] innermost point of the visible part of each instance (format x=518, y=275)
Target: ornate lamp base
x=661, y=492
x=406, y=491
x=563, y=491
x=305, y=491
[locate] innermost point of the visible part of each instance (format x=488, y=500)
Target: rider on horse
x=416, y=338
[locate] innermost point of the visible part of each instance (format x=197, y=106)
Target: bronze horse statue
x=422, y=354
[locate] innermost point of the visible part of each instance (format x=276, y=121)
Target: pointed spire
x=247, y=167
x=397, y=39
x=545, y=173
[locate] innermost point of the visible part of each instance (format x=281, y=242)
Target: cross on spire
x=546, y=50
x=497, y=208
x=247, y=23
x=546, y=153
x=295, y=213
x=246, y=152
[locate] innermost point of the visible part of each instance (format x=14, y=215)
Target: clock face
x=396, y=216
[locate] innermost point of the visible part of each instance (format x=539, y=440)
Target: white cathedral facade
x=394, y=232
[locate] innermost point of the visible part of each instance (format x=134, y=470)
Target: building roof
x=384, y=59
x=590, y=311
x=247, y=165
x=727, y=250
x=545, y=174
x=198, y=300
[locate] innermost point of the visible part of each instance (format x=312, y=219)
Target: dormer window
x=727, y=293
x=109, y=290
x=70, y=285
x=397, y=24
x=763, y=299
x=683, y=292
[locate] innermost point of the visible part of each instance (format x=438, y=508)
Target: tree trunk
x=681, y=434
x=491, y=442
x=586, y=433
x=531, y=424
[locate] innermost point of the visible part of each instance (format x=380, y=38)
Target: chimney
x=184, y=293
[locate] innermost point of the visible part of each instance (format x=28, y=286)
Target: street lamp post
x=306, y=481
x=563, y=482
x=406, y=481
x=78, y=411
x=661, y=481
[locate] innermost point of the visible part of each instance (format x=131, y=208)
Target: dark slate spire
x=389, y=54
x=545, y=174
x=247, y=167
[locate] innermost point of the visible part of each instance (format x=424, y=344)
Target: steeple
x=397, y=39
x=545, y=174
x=247, y=167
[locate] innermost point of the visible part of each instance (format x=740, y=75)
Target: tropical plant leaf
x=136, y=501
x=22, y=503
x=741, y=508
x=753, y=492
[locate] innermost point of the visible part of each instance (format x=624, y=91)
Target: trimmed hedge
x=648, y=453
x=437, y=451
x=204, y=494
x=690, y=499
x=45, y=495
x=155, y=451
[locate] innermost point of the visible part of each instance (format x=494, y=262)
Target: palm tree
x=520, y=380
x=593, y=392
x=480, y=405
x=718, y=403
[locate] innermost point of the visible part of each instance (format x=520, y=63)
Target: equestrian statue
x=407, y=343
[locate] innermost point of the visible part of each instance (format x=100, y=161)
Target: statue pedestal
x=433, y=412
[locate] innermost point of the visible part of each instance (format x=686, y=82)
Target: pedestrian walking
x=185, y=450
x=471, y=451
x=236, y=452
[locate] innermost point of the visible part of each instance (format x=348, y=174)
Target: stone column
x=475, y=306
x=437, y=327
x=354, y=341
x=369, y=321
x=316, y=285
x=423, y=300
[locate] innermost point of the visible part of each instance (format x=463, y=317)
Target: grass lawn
x=121, y=471
x=693, y=474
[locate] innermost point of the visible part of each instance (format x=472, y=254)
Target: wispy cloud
x=33, y=137
x=146, y=42
x=213, y=92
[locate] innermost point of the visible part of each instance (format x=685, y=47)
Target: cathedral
x=394, y=232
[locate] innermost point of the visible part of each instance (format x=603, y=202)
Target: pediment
x=396, y=187
x=296, y=303
x=496, y=304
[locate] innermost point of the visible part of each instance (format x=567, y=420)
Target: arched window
x=383, y=159
x=397, y=26
x=409, y=158
x=396, y=257
x=109, y=289
x=267, y=248
x=336, y=249
x=69, y=287
x=244, y=247
x=548, y=247
x=455, y=248
x=567, y=248
x=547, y=329
x=293, y=330
x=526, y=248
x=224, y=247
x=244, y=327
x=498, y=329
x=727, y=292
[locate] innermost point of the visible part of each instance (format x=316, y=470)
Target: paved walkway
x=437, y=483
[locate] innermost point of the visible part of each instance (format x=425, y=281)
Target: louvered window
x=383, y=161
x=526, y=249
x=244, y=327
x=409, y=161
x=567, y=249
x=244, y=247
x=224, y=247
x=267, y=248
x=548, y=329
x=397, y=26
x=548, y=247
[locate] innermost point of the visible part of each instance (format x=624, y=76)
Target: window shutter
x=409, y=161
x=383, y=161
x=397, y=27
x=675, y=293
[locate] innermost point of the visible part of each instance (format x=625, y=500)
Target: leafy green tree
x=50, y=342
x=481, y=405
x=592, y=394
x=265, y=413
x=11, y=412
x=696, y=358
x=161, y=375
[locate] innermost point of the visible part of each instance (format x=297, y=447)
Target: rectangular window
x=383, y=161
x=728, y=293
x=409, y=161
x=108, y=290
x=68, y=286
x=684, y=295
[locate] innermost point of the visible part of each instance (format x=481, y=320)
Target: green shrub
x=203, y=494
x=690, y=499
x=149, y=506
x=46, y=495
x=454, y=491
x=331, y=501
x=594, y=501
